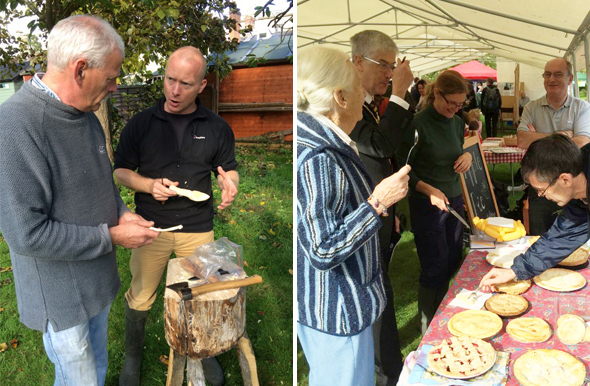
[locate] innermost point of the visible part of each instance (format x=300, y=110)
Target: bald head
x=192, y=57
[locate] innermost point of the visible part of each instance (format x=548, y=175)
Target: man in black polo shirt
x=176, y=142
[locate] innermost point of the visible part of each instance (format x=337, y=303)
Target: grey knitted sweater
x=59, y=199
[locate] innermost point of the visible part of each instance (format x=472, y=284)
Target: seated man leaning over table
x=556, y=168
x=557, y=111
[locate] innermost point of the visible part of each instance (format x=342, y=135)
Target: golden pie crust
x=514, y=287
x=503, y=257
x=533, y=239
x=507, y=305
x=578, y=257
x=571, y=329
x=560, y=280
x=529, y=330
x=547, y=367
x=461, y=357
x=475, y=323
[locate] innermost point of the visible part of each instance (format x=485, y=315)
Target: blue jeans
x=338, y=360
x=80, y=352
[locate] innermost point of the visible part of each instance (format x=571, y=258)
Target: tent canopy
x=476, y=70
x=438, y=34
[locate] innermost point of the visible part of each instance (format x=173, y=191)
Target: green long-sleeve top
x=440, y=144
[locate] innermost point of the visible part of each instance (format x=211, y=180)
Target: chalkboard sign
x=476, y=185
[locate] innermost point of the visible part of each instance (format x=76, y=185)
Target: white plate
x=503, y=257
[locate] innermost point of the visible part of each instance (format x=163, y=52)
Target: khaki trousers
x=148, y=263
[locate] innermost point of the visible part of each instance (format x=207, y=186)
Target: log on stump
x=207, y=325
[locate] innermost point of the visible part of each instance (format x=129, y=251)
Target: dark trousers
x=388, y=355
x=491, y=124
x=439, y=240
x=542, y=213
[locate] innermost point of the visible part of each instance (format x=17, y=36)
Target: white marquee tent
x=438, y=34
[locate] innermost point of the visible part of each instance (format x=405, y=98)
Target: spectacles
x=382, y=65
x=541, y=192
x=454, y=104
x=556, y=75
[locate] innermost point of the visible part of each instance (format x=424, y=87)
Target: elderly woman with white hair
x=340, y=290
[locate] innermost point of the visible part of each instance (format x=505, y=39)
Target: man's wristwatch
x=378, y=206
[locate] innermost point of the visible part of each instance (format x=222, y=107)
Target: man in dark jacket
x=491, y=102
x=558, y=170
x=375, y=56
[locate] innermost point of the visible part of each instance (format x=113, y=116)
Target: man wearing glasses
x=555, y=168
x=375, y=56
x=557, y=111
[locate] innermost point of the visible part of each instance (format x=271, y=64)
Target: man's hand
x=402, y=78
x=132, y=232
x=531, y=128
x=463, y=163
x=228, y=188
x=160, y=190
x=496, y=276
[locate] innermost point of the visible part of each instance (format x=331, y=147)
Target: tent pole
x=575, y=69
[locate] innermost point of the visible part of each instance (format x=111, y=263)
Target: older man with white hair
x=374, y=54
x=63, y=231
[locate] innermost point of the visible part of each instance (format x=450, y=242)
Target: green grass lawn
x=404, y=272
x=261, y=220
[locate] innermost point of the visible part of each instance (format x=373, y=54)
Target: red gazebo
x=475, y=70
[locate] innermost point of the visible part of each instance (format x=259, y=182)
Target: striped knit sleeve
x=329, y=229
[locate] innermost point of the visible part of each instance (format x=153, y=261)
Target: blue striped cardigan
x=339, y=279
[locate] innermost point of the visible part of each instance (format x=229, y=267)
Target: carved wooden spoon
x=194, y=195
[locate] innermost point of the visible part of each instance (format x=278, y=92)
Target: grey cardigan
x=59, y=199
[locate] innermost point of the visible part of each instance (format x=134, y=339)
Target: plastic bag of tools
x=218, y=261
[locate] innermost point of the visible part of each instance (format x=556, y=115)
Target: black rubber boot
x=426, y=306
x=134, y=335
x=213, y=372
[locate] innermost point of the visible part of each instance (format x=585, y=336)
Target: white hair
x=320, y=72
x=369, y=42
x=82, y=36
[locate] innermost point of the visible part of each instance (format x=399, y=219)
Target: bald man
x=177, y=142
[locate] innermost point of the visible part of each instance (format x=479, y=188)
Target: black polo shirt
x=149, y=146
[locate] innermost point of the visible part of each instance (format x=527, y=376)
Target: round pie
x=578, y=257
x=561, y=280
x=533, y=239
x=475, y=323
x=461, y=357
x=571, y=329
x=547, y=367
x=529, y=330
x=503, y=257
x=507, y=305
x=514, y=287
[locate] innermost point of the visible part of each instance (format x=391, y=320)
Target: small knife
x=454, y=213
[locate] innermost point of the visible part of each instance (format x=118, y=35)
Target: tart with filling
x=475, y=323
x=529, y=330
x=546, y=367
x=461, y=357
x=578, y=257
x=514, y=287
x=507, y=305
x=560, y=280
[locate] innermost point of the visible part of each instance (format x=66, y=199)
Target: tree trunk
x=104, y=117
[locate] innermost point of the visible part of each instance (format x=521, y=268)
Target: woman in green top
x=436, y=162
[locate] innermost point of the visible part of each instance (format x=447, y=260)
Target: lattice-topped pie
x=507, y=305
x=461, y=357
x=571, y=329
x=578, y=257
x=547, y=367
x=529, y=330
x=475, y=323
x=561, y=280
x=514, y=287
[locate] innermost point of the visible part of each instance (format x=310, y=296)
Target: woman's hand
x=438, y=199
x=393, y=188
x=463, y=163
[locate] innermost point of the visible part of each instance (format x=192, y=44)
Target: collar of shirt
x=567, y=103
x=38, y=83
x=338, y=131
x=368, y=98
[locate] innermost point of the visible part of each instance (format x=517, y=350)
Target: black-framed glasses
x=454, y=104
x=542, y=192
x=382, y=65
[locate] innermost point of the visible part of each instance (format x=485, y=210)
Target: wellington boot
x=213, y=372
x=134, y=336
x=427, y=306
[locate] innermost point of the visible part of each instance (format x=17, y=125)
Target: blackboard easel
x=476, y=185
